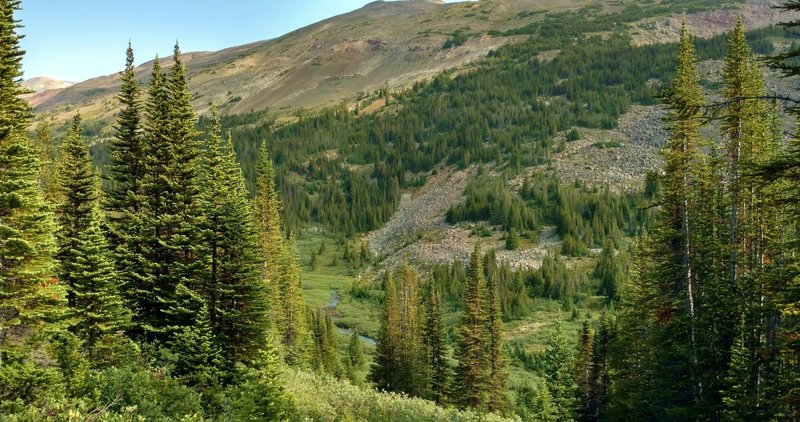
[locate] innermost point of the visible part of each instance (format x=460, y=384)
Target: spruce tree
x=86, y=267
x=498, y=377
x=171, y=253
x=29, y=295
x=559, y=363
x=584, y=374
x=355, y=352
x=237, y=307
x=412, y=371
x=295, y=335
x=280, y=271
x=127, y=167
x=439, y=371
x=386, y=365
x=472, y=377
x=45, y=144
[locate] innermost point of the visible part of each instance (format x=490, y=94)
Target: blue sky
x=75, y=40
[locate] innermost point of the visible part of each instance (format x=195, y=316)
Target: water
x=332, y=304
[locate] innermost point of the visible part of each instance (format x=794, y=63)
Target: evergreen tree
x=386, y=366
x=29, y=295
x=237, y=308
x=198, y=360
x=295, y=336
x=559, y=363
x=512, y=239
x=434, y=342
x=44, y=143
x=412, y=371
x=267, y=213
x=127, y=167
x=86, y=267
x=281, y=272
x=473, y=372
x=498, y=378
x=169, y=223
x=585, y=375
x=608, y=271
x=355, y=352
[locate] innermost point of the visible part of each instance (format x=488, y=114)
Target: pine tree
x=434, y=342
x=86, y=267
x=295, y=336
x=45, y=145
x=198, y=360
x=559, y=363
x=169, y=222
x=127, y=167
x=512, y=239
x=584, y=374
x=608, y=272
x=412, y=371
x=355, y=352
x=386, y=366
x=498, y=377
x=29, y=295
x=281, y=272
x=237, y=308
x=473, y=373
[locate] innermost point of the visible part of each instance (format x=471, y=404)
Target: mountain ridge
x=381, y=45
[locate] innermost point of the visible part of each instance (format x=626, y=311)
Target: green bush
x=324, y=398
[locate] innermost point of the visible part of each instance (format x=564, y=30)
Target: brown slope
x=382, y=44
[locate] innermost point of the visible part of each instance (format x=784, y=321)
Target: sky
x=74, y=40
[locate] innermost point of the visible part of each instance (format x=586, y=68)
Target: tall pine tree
x=29, y=295
x=236, y=300
x=472, y=377
x=86, y=267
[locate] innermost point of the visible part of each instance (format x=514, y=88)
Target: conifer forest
x=424, y=252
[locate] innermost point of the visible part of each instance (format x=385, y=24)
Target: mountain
x=384, y=44
x=43, y=83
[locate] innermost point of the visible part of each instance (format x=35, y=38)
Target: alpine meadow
x=491, y=210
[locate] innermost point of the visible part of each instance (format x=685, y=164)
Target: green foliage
x=260, y=394
x=29, y=296
x=319, y=397
x=559, y=364
x=472, y=376
x=237, y=304
x=86, y=267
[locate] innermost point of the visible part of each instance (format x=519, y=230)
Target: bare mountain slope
x=384, y=44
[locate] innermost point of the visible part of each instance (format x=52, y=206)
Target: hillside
x=41, y=84
x=382, y=45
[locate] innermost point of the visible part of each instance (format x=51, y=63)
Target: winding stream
x=332, y=304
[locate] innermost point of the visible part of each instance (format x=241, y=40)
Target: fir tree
x=473, y=372
x=169, y=223
x=29, y=295
x=412, y=371
x=198, y=360
x=355, y=352
x=127, y=167
x=386, y=366
x=498, y=378
x=584, y=374
x=512, y=239
x=559, y=363
x=86, y=267
x=237, y=308
x=281, y=272
x=44, y=143
x=433, y=337
x=295, y=336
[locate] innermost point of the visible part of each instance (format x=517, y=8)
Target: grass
x=331, y=273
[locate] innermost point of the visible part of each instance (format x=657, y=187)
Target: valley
x=489, y=210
